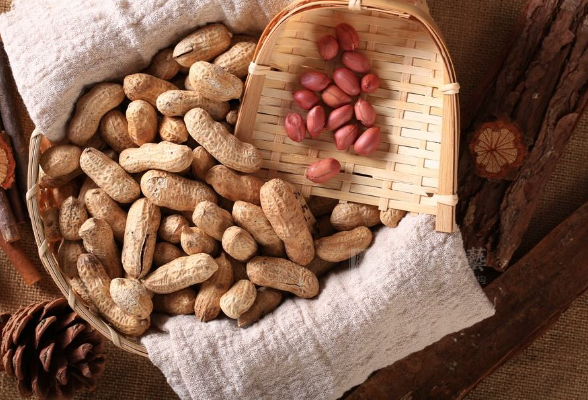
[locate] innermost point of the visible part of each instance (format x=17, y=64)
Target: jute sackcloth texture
x=553, y=367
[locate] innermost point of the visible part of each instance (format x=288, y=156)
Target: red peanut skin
x=323, y=170
x=355, y=62
x=334, y=97
x=314, y=80
x=347, y=37
x=347, y=81
x=339, y=117
x=365, y=113
x=346, y=136
x=370, y=83
x=305, y=99
x=295, y=127
x=368, y=142
x=315, y=121
x=328, y=47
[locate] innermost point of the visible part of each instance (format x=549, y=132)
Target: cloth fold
x=409, y=289
x=57, y=48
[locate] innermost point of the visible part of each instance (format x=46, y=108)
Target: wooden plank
x=529, y=297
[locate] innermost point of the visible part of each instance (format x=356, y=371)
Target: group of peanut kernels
x=337, y=97
x=118, y=205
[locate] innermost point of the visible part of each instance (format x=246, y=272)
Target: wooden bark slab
x=540, y=85
x=525, y=308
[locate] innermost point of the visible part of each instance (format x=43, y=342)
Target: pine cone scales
x=50, y=350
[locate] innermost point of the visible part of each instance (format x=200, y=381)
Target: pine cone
x=50, y=350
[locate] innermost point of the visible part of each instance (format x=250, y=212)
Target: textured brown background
x=553, y=367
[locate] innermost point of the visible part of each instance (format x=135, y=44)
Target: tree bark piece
x=20, y=261
x=525, y=309
x=540, y=85
x=8, y=224
x=11, y=121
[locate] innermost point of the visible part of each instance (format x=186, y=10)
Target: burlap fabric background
x=553, y=367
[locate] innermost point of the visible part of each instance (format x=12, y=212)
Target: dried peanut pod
x=343, y=245
x=173, y=129
x=165, y=253
x=142, y=122
x=175, y=192
x=67, y=256
x=60, y=160
x=212, y=219
x=187, y=84
x=308, y=216
x=163, y=65
x=171, y=227
x=90, y=108
x=238, y=299
x=214, y=82
x=282, y=274
x=72, y=215
x=109, y=176
x=77, y=285
x=207, y=304
x=181, y=273
x=115, y=131
x=202, y=162
x=131, y=296
x=251, y=218
x=145, y=87
x=238, y=243
x=234, y=186
x=236, y=60
x=232, y=117
x=97, y=283
x=45, y=181
x=320, y=206
x=176, y=103
x=88, y=185
x=319, y=267
x=176, y=303
x=285, y=214
x=140, y=236
x=99, y=241
x=164, y=156
x=204, y=44
x=194, y=240
x=223, y=146
x=391, y=217
x=347, y=216
x=266, y=301
x=101, y=206
x=50, y=218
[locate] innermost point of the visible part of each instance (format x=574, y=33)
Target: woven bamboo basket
x=414, y=168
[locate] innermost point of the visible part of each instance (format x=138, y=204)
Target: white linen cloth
x=411, y=288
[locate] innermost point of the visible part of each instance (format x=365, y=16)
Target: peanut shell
x=343, y=245
x=181, y=273
x=207, y=304
x=238, y=299
x=140, y=236
x=282, y=274
x=175, y=192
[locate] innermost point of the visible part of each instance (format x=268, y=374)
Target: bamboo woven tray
x=414, y=168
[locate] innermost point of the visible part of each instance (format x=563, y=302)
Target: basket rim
x=51, y=264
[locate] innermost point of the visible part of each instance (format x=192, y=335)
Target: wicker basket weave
x=415, y=167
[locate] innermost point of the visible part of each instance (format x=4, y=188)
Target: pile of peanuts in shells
x=151, y=203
